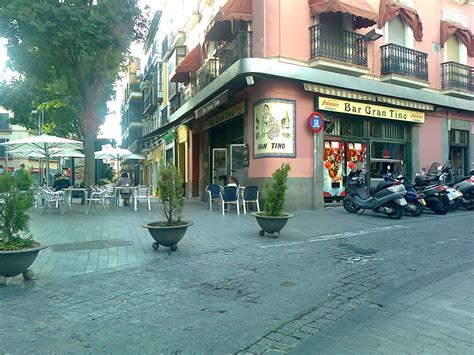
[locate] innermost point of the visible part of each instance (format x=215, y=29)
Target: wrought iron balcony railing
x=149, y=104
x=239, y=47
x=457, y=76
x=164, y=115
x=339, y=45
x=207, y=73
x=404, y=61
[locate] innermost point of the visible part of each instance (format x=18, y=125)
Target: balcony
x=132, y=92
x=240, y=47
x=149, y=104
x=187, y=92
x=164, y=115
x=457, y=80
x=207, y=73
x=404, y=66
x=338, y=50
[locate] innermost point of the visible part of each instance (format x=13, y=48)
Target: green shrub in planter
x=275, y=191
x=170, y=186
x=14, y=219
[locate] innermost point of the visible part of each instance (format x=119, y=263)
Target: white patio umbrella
x=45, y=144
x=117, y=154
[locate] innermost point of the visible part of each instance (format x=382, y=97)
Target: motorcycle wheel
x=419, y=209
x=470, y=201
x=440, y=207
x=454, y=204
x=349, y=205
x=397, y=210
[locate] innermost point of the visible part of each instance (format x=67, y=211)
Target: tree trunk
x=90, y=135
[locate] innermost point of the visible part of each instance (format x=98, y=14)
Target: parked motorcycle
x=466, y=187
x=415, y=199
x=436, y=194
x=388, y=197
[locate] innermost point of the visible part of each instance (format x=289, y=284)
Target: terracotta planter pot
x=15, y=262
x=168, y=236
x=270, y=224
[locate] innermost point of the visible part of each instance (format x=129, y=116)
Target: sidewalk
x=82, y=244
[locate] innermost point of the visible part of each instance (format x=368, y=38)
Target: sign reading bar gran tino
x=370, y=110
x=234, y=111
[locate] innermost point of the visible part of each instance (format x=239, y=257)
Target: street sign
x=316, y=122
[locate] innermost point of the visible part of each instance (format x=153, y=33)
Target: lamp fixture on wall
x=249, y=80
x=374, y=34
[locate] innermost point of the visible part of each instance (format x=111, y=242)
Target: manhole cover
x=88, y=245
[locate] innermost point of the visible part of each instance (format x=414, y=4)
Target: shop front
x=364, y=136
x=226, y=148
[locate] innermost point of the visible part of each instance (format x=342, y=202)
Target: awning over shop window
x=191, y=63
x=389, y=9
x=364, y=15
x=447, y=29
x=233, y=10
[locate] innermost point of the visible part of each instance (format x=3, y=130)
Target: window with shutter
x=452, y=47
x=396, y=31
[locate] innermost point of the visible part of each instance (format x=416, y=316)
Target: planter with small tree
x=18, y=250
x=273, y=219
x=169, y=232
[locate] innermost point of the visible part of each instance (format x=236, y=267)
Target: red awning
x=447, y=29
x=234, y=10
x=190, y=64
x=389, y=9
x=364, y=15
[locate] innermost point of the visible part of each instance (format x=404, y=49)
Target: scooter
x=415, y=199
x=466, y=187
x=436, y=195
x=388, y=197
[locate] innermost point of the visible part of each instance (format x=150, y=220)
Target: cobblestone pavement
x=332, y=283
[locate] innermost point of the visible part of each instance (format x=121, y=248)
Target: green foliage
x=69, y=54
x=14, y=219
x=170, y=185
x=275, y=191
x=23, y=180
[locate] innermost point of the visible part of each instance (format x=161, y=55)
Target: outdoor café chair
x=250, y=194
x=230, y=195
x=54, y=199
x=214, y=191
x=96, y=198
x=142, y=192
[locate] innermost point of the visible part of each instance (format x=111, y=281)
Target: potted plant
x=169, y=232
x=273, y=219
x=18, y=250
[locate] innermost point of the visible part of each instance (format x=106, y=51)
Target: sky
x=111, y=127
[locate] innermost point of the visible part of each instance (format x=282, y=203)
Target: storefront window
x=384, y=150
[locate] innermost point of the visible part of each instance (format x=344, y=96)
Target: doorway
x=236, y=167
x=219, y=166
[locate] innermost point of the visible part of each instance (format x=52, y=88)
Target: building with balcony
x=131, y=112
x=325, y=85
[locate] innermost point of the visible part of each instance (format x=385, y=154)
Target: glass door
x=236, y=168
x=219, y=166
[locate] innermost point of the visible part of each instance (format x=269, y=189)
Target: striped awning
x=361, y=96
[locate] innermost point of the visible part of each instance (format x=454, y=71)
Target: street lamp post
x=40, y=119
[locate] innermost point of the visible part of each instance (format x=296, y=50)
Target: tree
x=68, y=54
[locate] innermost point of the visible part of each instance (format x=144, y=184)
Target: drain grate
x=89, y=245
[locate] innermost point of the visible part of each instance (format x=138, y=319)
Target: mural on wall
x=274, y=128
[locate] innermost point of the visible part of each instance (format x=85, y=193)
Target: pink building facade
x=325, y=86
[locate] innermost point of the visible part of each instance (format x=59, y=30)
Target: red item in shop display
x=351, y=165
x=327, y=164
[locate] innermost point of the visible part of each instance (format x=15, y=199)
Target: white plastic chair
x=54, y=199
x=96, y=198
x=230, y=195
x=141, y=192
x=250, y=194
